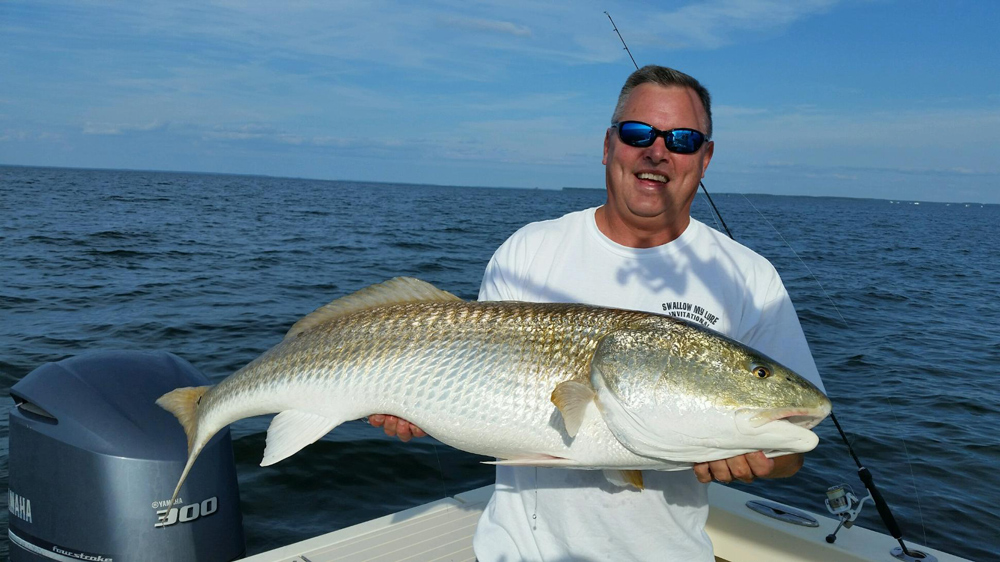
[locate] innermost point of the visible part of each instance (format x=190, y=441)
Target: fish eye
x=761, y=371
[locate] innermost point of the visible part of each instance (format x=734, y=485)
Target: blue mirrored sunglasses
x=679, y=141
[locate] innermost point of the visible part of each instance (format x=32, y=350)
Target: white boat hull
x=442, y=530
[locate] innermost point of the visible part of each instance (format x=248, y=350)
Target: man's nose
x=657, y=152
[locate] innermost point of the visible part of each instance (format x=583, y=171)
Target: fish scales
x=500, y=363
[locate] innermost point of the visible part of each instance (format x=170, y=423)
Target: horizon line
x=380, y=182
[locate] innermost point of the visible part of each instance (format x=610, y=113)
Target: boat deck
x=442, y=530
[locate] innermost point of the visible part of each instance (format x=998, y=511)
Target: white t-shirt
x=558, y=514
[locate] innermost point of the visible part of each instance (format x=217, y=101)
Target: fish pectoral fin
x=572, y=398
x=625, y=478
x=535, y=460
x=292, y=430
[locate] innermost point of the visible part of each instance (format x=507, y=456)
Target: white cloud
x=528, y=102
x=478, y=24
x=715, y=24
x=918, y=138
x=8, y=135
x=120, y=128
x=20, y=135
x=729, y=111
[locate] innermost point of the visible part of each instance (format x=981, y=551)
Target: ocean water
x=900, y=303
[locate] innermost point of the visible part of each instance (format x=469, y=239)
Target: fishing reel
x=843, y=503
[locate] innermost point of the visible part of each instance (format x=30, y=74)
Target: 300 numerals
x=187, y=513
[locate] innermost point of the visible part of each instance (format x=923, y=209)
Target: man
x=641, y=250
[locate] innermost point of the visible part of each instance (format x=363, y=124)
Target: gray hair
x=666, y=77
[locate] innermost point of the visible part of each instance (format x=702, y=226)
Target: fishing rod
x=863, y=473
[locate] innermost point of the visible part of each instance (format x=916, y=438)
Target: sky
x=892, y=99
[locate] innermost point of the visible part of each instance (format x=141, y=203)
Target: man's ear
x=607, y=143
x=709, y=151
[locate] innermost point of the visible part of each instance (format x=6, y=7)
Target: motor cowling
x=93, y=463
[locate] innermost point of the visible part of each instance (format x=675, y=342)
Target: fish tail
x=177, y=490
x=183, y=403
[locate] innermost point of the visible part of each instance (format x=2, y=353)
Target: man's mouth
x=652, y=177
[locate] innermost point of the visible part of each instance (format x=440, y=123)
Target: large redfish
x=555, y=385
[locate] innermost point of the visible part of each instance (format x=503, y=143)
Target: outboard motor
x=93, y=462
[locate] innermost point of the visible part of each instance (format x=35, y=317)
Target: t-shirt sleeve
x=498, y=278
x=778, y=334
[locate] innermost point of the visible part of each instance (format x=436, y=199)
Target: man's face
x=650, y=185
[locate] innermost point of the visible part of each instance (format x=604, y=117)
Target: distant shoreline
x=374, y=182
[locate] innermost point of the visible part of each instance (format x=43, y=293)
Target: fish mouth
x=806, y=418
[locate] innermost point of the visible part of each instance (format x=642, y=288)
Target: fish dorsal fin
x=398, y=290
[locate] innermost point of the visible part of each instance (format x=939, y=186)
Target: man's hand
x=396, y=427
x=747, y=467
